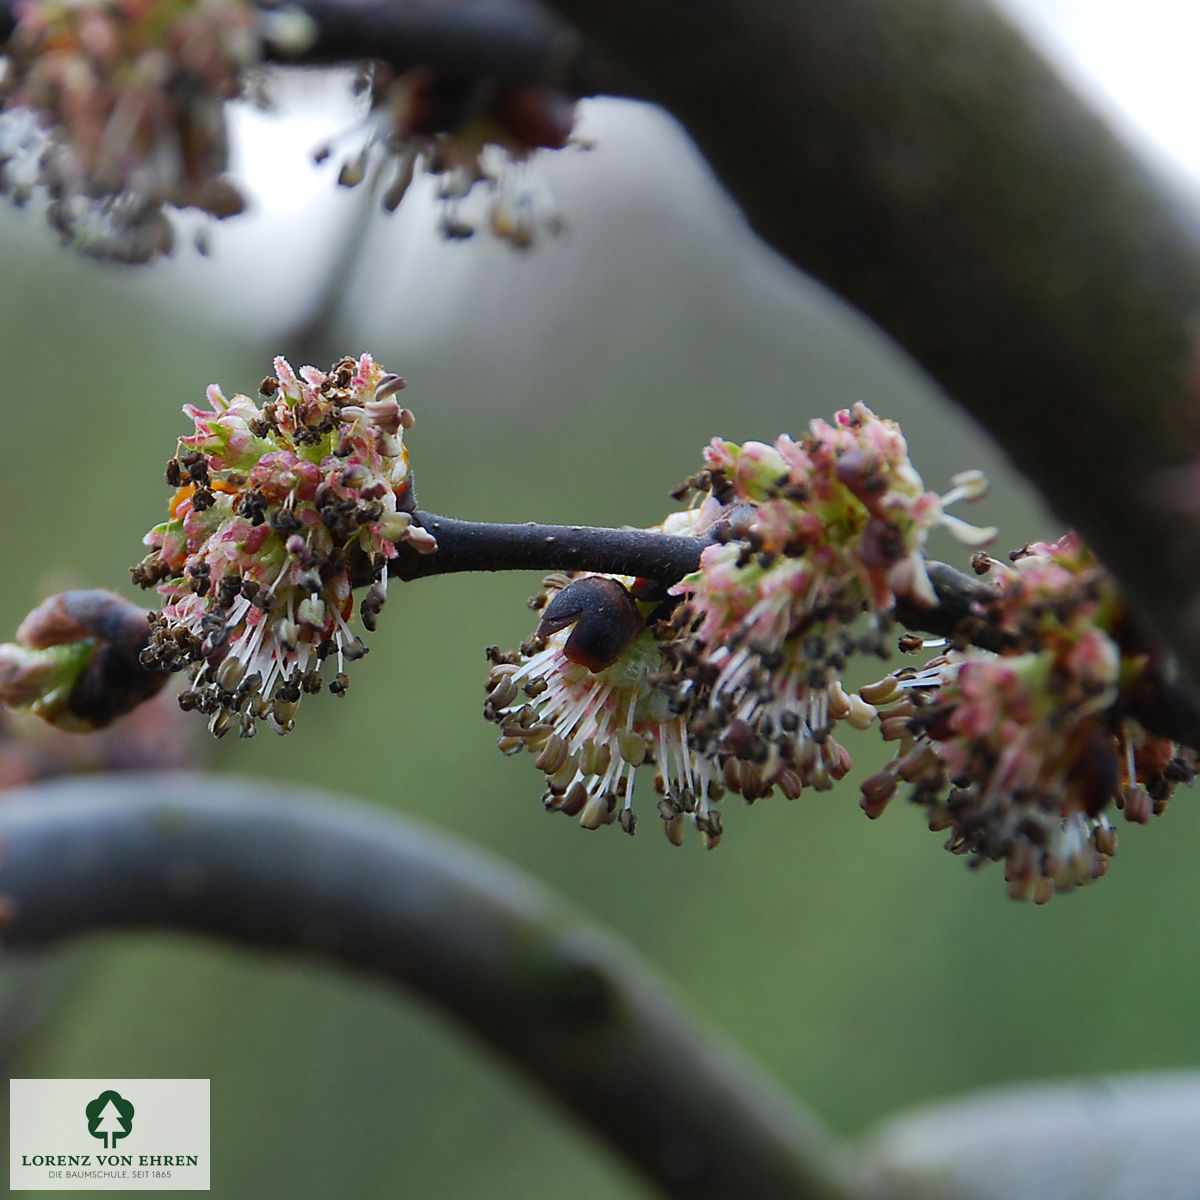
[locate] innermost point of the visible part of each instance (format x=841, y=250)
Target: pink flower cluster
x=732, y=682
x=823, y=535
x=279, y=512
x=845, y=500
x=1022, y=755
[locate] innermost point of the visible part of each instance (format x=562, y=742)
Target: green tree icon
x=109, y=1117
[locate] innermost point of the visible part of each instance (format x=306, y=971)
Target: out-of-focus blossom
x=477, y=137
x=116, y=109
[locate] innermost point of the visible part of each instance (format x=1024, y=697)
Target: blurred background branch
x=508, y=41
x=258, y=864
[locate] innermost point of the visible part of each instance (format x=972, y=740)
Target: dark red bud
x=114, y=682
x=605, y=617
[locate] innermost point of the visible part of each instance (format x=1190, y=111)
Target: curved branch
x=256, y=864
x=926, y=164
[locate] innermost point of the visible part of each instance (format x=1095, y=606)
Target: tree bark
x=260, y=865
x=926, y=164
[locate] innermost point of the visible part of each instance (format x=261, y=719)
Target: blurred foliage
x=859, y=963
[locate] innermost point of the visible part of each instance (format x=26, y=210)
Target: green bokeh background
x=858, y=963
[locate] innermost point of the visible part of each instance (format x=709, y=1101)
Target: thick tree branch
x=257, y=865
x=924, y=162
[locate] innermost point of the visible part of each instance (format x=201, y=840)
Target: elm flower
x=822, y=536
x=1021, y=755
x=116, y=107
x=582, y=696
x=279, y=511
x=475, y=137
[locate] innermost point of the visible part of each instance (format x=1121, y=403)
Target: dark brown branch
x=1165, y=706
x=960, y=607
x=258, y=865
x=504, y=41
x=484, y=546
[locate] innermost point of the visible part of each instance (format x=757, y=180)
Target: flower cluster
x=116, y=108
x=824, y=534
x=732, y=681
x=583, y=696
x=278, y=512
x=1021, y=754
x=474, y=137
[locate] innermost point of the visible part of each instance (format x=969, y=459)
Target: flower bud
x=76, y=662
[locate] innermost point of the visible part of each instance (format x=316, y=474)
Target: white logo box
x=57, y=1144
